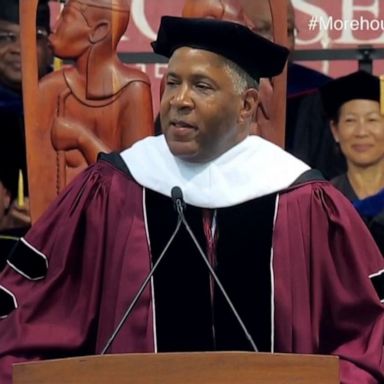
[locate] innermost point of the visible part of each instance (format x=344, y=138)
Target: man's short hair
x=241, y=79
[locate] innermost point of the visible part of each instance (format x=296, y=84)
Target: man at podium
x=228, y=211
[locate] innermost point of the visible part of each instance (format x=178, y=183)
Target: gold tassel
x=20, y=190
x=57, y=64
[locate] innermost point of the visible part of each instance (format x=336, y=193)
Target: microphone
x=178, y=201
x=142, y=287
x=177, y=197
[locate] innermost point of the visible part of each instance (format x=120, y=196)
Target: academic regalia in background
x=12, y=136
x=13, y=169
x=11, y=101
x=293, y=247
x=302, y=80
x=12, y=161
x=308, y=134
x=8, y=240
x=371, y=209
x=358, y=85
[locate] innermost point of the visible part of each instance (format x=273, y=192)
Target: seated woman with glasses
x=352, y=103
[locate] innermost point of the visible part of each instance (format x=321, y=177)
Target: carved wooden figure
x=230, y=10
x=96, y=104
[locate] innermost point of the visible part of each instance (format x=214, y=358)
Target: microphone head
x=176, y=193
x=177, y=197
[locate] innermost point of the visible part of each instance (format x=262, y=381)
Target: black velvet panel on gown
x=187, y=317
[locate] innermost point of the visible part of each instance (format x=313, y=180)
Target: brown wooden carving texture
x=96, y=104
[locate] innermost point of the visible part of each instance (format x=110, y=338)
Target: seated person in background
x=6, y=241
x=12, y=134
x=10, y=60
x=307, y=134
x=317, y=292
x=352, y=104
x=14, y=207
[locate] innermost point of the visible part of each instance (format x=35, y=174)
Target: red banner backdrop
x=320, y=24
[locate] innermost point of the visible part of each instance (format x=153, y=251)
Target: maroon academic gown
x=91, y=253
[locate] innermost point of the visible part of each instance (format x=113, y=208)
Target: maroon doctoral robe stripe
x=323, y=257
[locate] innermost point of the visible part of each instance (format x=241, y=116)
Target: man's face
x=200, y=108
x=10, y=58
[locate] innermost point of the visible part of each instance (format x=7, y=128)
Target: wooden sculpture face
x=256, y=15
x=71, y=36
x=258, y=18
x=83, y=25
x=216, y=9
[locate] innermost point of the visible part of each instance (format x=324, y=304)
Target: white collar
x=251, y=169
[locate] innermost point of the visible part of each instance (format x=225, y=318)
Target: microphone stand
x=179, y=204
x=140, y=291
x=177, y=196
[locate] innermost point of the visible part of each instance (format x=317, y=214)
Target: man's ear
x=249, y=104
x=100, y=31
x=334, y=130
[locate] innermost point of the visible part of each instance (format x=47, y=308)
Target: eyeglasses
x=7, y=37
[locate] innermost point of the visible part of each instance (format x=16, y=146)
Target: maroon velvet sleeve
x=95, y=241
x=325, y=302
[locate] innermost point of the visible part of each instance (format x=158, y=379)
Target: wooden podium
x=182, y=368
